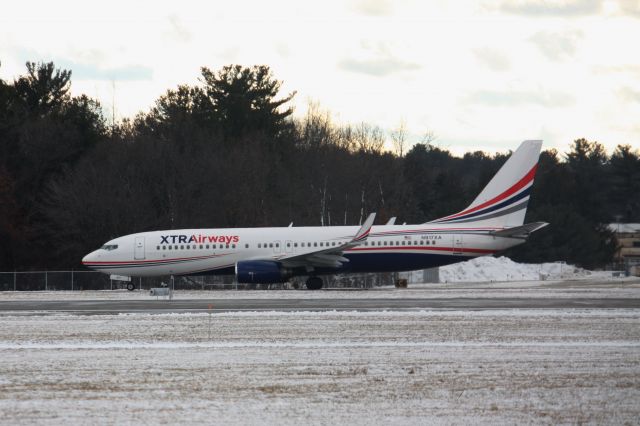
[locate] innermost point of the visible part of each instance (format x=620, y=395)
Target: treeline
x=228, y=153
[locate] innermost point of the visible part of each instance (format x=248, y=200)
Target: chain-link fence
x=92, y=280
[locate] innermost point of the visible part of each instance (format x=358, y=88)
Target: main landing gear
x=314, y=283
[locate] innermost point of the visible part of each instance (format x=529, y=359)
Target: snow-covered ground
x=429, y=367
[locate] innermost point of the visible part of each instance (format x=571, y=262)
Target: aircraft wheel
x=131, y=287
x=314, y=283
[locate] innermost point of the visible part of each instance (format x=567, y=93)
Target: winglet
x=363, y=232
x=391, y=221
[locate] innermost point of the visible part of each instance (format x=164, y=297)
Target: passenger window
x=246, y=246
x=157, y=247
x=315, y=244
x=385, y=243
x=320, y=244
x=288, y=244
x=233, y=246
x=277, y=244
x=295, y=244
x=181, y=247
x=271, y=245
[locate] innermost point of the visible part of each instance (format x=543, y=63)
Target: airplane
x=493, y=222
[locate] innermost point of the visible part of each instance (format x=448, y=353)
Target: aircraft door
x=288, y=247
x=138, y=249
x=457, y=244
x=276, y=246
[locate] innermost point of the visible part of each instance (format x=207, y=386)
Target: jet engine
x=261, y=272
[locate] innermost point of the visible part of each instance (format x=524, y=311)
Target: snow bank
x=503, y=269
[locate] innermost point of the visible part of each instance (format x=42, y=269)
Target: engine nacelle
x=261, y=272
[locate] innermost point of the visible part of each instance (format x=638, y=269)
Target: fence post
x=46, y=280
x=14, y=280
x=72, y=280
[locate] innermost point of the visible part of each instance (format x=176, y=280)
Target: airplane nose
x=89, y=258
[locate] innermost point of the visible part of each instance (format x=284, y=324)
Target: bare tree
x=428, y=137
x=368, y=138
x=399, y=138
x=316, y=129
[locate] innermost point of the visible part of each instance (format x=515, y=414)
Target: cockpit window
x=109, y=247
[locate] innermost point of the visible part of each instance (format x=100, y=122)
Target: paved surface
x=94, y=307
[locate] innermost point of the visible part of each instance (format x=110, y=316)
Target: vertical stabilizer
x=503, y=202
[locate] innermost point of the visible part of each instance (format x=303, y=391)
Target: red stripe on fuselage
x=139, y=262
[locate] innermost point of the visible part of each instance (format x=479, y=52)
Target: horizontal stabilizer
x=522, y=231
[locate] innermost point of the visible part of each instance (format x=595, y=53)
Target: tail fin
x=503, y=202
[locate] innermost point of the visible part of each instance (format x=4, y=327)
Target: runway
x=102, y=307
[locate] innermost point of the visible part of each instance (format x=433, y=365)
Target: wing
x=330, y=257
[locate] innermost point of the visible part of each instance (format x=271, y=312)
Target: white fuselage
x=216, y=251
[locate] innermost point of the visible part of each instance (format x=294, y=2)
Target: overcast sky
x=479, y=74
